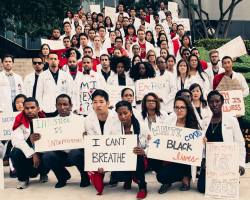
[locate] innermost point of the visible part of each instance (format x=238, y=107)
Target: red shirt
x=217, y=80
x=143, y=49
x=203, y=64
x=61, y=56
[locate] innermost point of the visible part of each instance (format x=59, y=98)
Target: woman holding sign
x=173, y=172
x=130, y=125
x=222, y=128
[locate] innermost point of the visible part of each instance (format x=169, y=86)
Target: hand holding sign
x=34, y=137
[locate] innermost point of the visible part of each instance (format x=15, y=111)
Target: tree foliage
x=34, y=17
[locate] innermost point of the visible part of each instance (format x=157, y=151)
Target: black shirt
x=55, y=75
x=34, y=86
x=199, y=111
x=214, y=132
x=106, y=75
x=122, y=80
x=102, y=125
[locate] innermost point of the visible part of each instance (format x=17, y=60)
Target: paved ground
x=47, y=191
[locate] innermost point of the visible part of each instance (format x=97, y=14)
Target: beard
x=215, y=63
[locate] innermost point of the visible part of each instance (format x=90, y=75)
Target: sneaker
x=22, y=184
x=43, y=178
x=163, y=189
x=142, y=194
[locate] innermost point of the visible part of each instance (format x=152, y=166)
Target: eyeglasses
x=182, y=108
x=37, y=63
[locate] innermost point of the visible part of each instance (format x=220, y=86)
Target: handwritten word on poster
x=233, y=102
x=176, y=144
x=222, y=171
x=60, y=133
x=157, y=85
x=110, y=152
x=6, y=123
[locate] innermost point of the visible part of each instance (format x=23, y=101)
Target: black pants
x=126, y=176
x=201, y=185
x=173, y=172
x=58, y=160
x=24, y=166
x=155, y=165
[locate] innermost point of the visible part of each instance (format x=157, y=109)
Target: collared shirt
x=12, y=85
x=106, y=75
x=55, y=75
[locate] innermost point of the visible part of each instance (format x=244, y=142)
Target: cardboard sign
x=111, y=12
x=53, y=44
x=227, y=83
x=234, y=48
x=115, y=93
x=110, y=152
x=1, y=175
x=173, y=8
x=156, y=85
x=95, y=8
x=233, y=102
x=176, y=144
x=222, y=171
x=6, y=123
x=59, y=133
x=184, y=21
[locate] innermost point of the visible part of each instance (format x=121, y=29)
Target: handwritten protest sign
x=60, y=133
x=176, y=144
x=1, y=174
x=157, y=85
x=234, y=48
x=95, y=8
x=110, y=152
x=115, y=93
x=184, y=21
x=6, y=123
x=233, y=102
x=222, y=171
x=173, y=8
x=227, y=83
x=53, y=44
x=111, y=12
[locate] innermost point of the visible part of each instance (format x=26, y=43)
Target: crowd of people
x=101, y=52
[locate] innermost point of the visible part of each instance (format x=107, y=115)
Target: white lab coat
x=210, y=73
x=29, y=82
x=187, y=83
x=149, y=46
x=243, y=83
x=231, y=133
x=104, y=82
x=113, y=80
x=163, y=118
x=5, y=91
x=47, y=90
x=92, y=126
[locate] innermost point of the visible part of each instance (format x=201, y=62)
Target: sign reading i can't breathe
x=110, y=152
x=176, y=144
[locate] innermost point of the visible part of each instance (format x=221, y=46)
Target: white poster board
x=1, y=175
x=222, y=171
x=176, y=144
x=6, y=124
x=53, y=44
x=59, y=133
x=110, y=152
x=173, y=8
x=95, y=8
x=184, y=21
x=233, y=102
x=111, y=12
x=156, y=85
x=234, y=48
x=114, y=93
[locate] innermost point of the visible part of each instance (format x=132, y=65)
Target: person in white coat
x=222, y=128
x=52, y=83
x=183, y=80
x=30, y=81
x=11, y=84
x=26, y=161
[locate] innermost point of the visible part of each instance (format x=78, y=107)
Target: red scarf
x=21, y=118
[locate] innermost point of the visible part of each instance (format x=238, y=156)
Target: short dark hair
x=179, y=25
x=66, y=23
x=106, y=55
x=83, y=34
x=124, y=90
x=86, y=57
x=35, y=57
x=120, y=38
x=179, y=92
x=226, y=57
x=64, y=96
x=87, y=47
x=31, y=99
x=213, y=93
x=101, y=93
x=125, y=104
x=66, y=37
x=8, y=56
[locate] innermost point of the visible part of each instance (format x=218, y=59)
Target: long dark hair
x=191, y=120
x=199, y=68
x=134, y=121
x=202, y=99
x=134, y=71
x=144, y=109
x=152, y=40
x=178, y=65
